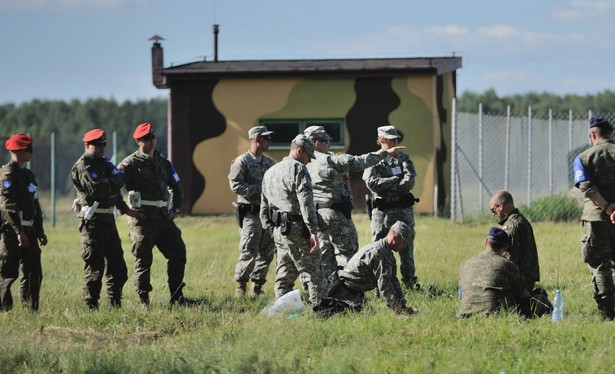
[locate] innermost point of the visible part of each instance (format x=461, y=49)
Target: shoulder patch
x=6, y=184
x=124, y=164
x=237, y=165
x=7, y=173
x=94, y=175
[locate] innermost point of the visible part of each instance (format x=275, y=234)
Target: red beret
x=94, y=135
x=143, y=130
x=18, y=142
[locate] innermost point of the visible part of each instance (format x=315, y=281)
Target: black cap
x=599, y=122
x=498, y=235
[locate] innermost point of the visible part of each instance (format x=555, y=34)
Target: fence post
x=453, y=159
x=570, y=130
x=589, y=116
x=529, y=156
x=507, y=154
x=480, y=157
x=53, y=179
x=550, y=151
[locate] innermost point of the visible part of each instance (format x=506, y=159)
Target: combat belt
x=400, y=202
x=242, y=209
x=344, y=207
x=284, y=220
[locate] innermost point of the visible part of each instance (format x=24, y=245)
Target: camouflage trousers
x=165, y=235
x=256, y=251
x=598, y=252
x=13, y=259
x=102, y=245
x=338, y=239
x=293, y=259
x=382, y=220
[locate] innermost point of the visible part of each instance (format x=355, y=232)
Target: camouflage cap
x=599, y=122
x=403, y=230
x=498, y=235
x=317, y=133
x=305, y=143
x=389, y=132
x=259, y=130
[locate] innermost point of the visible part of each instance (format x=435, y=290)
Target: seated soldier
x=489, y=282
x=371, y=267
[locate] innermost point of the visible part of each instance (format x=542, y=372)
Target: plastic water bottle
x=558, y=307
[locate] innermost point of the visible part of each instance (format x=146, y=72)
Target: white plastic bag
x=288, y=304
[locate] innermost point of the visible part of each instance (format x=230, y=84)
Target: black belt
x=252, y=208
x=403, y=202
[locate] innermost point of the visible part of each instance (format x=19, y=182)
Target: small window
x=286, y=130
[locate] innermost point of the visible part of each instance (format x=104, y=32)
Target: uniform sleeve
x=349, y=163
x=378, y=183
x=175, y=187
x=91, y=184
x=409, y=178
x=239, y=183
x=38, y=212
x=8, y=200
x=516, y=244
x=303, y=184
x=388, y=284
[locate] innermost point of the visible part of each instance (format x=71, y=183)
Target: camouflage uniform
x=287, y=188
x=595, y=172
x=336, y=231
x=20, y=212
x=256, y=247
x=522, y=250
x=390, y=181
x=489, y=282
x=373, y=267
x=98, y=180
x=154, y=177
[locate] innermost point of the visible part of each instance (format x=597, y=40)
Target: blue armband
x=580, y=174
x=174, y=176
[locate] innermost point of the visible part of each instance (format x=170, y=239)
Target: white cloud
x=583, y=10
x=498, y=31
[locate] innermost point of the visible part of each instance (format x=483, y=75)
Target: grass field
x=225, y=335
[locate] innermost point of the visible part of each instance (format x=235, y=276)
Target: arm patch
x=580, y=174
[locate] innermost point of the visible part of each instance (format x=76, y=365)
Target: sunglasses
x=493, y=209
x=148, y=137
x=98, y=144
x=266, y=137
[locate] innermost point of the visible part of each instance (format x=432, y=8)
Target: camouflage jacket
x=287, y=187
x=488, y=282
x=19, y=198
x=327, y=168
x=97, y=179
x=373, y=266
x=594, y=171
x=246, y=177
x=391, y=177
x=522, y=250
x=154, y=177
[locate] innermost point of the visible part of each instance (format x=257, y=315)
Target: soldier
x=22, y=226
x=489, y=282
x=522, y=249
x=373, y=267
x=287, y=208
x=337, y=234
x=154, y=189
x=390, y=182
x=98, y=183
x=255, y=243
x=594, y=176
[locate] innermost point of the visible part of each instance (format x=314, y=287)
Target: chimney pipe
x=216, y=28
x=157, y=62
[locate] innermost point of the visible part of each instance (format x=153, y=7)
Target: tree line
x=602, y=102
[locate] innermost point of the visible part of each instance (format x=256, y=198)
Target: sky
x=81, y=49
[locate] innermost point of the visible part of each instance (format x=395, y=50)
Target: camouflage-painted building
x=212, y=105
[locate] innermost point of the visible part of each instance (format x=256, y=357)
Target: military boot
x=115, y=301
x=91, y=304
x=257, y=289
x=144, y=300
x=240, y=290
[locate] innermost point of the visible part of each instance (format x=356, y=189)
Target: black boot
x=91, y=304
x=115, y=301
x=144, y=300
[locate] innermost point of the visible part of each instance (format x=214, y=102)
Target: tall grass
x=225, y=335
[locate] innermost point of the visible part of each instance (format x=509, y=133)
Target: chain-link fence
x=529, y=156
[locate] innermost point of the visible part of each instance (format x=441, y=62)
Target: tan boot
x=257, y=290
x=240, y=291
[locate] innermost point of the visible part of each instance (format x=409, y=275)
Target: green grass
x=229, y=336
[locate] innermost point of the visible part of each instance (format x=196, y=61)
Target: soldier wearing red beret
x=21, y=229
x=154, y=188
x=98, y=183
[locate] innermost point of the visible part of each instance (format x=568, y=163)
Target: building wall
x=210, y=121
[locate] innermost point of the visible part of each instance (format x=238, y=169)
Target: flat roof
x=333, y=67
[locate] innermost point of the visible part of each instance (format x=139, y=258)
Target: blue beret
x=498, y=235
x=599, y=122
